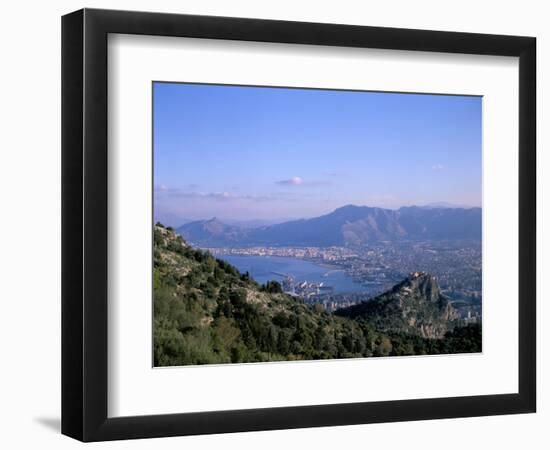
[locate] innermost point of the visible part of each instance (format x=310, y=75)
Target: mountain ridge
x=346, y=225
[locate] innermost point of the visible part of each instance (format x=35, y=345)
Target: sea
x=266, y=268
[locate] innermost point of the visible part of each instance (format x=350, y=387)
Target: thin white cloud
x=221, y=196
x=335, y=174
x=173, y=193
x=438, y=167
x=294, y=181
x=299, y=181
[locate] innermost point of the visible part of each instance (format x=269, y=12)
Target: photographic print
x=307, y=224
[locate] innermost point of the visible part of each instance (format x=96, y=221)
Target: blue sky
x=244, y=153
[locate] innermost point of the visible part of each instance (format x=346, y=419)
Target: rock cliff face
x=415, y=306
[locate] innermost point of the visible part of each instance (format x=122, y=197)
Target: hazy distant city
x=372, y=268
x=456, y=264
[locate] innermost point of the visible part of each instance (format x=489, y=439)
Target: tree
x=273, y=287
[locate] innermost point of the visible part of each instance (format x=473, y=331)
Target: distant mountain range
x=348, y=225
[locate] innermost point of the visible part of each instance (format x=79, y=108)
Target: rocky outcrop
x=415, y=305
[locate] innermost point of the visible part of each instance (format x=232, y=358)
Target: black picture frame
x=84, y=224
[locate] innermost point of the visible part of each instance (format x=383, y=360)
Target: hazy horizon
x=170, y=220
x=274, y=154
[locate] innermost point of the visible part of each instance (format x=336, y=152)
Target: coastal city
x=379, y=266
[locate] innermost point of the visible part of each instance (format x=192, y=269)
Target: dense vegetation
x=414, y=306
x=206, y=311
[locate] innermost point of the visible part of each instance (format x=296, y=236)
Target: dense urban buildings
x=378, y=266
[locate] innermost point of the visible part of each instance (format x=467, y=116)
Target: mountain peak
x=211, y=232
x=422, y=284
x=347, y=207
x=415, y=305
x=416, y=275
x=350, y=208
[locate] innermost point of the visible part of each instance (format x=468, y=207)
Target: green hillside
x=206, y=311
x=414, y=306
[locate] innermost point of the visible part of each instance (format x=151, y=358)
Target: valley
x=445, y=242
x=208, y=311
